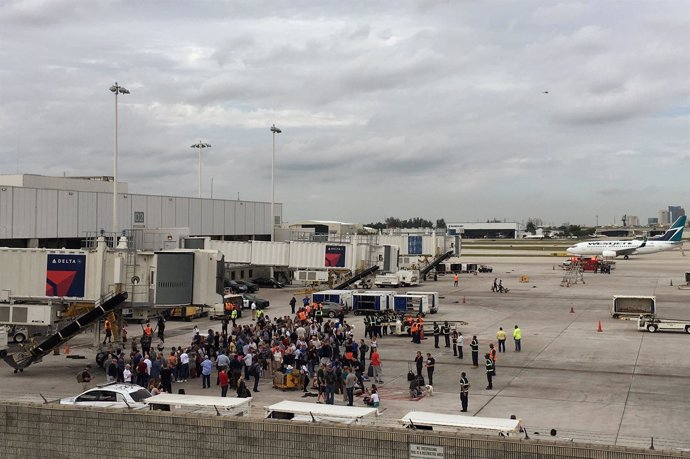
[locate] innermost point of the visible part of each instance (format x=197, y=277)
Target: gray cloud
x=414, y=108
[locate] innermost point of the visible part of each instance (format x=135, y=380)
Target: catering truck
x=633, y=306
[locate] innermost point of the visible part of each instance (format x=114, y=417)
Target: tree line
x=416, y=222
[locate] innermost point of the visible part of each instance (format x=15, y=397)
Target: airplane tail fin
x=675, y=232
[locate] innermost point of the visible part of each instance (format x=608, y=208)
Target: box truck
x=633, y=306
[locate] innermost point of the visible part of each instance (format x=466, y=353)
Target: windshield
x=140, y=395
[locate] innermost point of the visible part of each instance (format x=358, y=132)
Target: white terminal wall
x=32, y=213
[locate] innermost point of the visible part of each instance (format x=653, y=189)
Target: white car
x=112, y=395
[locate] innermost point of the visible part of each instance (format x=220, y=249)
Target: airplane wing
x=631, y=250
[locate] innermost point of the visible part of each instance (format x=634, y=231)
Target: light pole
x=200, y=146
x=275, y=131
x=116, y=89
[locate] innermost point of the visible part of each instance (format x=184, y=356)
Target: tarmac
x=619, y=386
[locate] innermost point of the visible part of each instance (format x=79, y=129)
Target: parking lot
x=619, y=386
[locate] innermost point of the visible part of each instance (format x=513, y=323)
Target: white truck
x=633, y=306
x=653, y=324
x=402, y=278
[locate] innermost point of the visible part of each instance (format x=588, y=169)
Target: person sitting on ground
x=415, y=388
x=372, y=397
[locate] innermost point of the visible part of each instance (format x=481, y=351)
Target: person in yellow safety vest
x=517, y=336
x=501, y=337
x=259, y=314
x=455, y=279
x=233, y=316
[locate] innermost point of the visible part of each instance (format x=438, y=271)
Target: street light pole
x=275, y=131
x=200, y=145
x=116, y=89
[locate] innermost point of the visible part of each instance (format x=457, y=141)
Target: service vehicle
x=486, y=269
x=412, y=304
x=433, y=298
x=112, y=395
x=17, y=334
x=343, y=297
x=633, y=306
x=402, y=278
x=230, y=303
x=653, y=324
x=372, y=302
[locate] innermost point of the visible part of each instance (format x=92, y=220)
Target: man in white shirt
x=147, y=361
x=253, y=308
x=248, y=360
x=127, y=374
x=184, y=360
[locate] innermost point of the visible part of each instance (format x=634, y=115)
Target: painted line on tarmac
x=627, y=396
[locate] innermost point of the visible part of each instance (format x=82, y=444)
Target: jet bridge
x=102, y=307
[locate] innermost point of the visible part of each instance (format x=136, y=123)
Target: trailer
x=3, y=341
x=372, y=302
x=433, y=298
x=342, y=297
x=411, y=304
x=633, y=306
x=313, y=412
x=653, y=324
x=204, y=404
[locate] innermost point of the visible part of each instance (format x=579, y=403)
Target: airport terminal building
x=53, y=212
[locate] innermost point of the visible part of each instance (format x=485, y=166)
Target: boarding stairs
x=573, y=275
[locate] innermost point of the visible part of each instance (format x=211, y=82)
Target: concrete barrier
x=60, y=431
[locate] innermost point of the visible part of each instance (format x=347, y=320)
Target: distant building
x=494, y=230
x=633, y=220
x=652, y=221
x=674, y=212
x=664, y=217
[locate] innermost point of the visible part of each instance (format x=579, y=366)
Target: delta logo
x=65, y=275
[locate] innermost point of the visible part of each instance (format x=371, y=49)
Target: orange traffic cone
x=572, y=311
x=599, y=328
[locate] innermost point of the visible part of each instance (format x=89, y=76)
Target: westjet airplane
x=671, y=239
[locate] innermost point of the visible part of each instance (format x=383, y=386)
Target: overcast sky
x=435, y=109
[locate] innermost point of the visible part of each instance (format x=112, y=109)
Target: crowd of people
x=326, y=355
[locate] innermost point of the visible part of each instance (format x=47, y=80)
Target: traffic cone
x=66, y=350
x=572, y=311
x=599, y=328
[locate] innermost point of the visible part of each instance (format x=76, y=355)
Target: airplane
x=671, y=239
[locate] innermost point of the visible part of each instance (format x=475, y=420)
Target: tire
x=19, y=338
x=331, y=314
x=651, y=328
x=625, y=257
x=687, y=329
